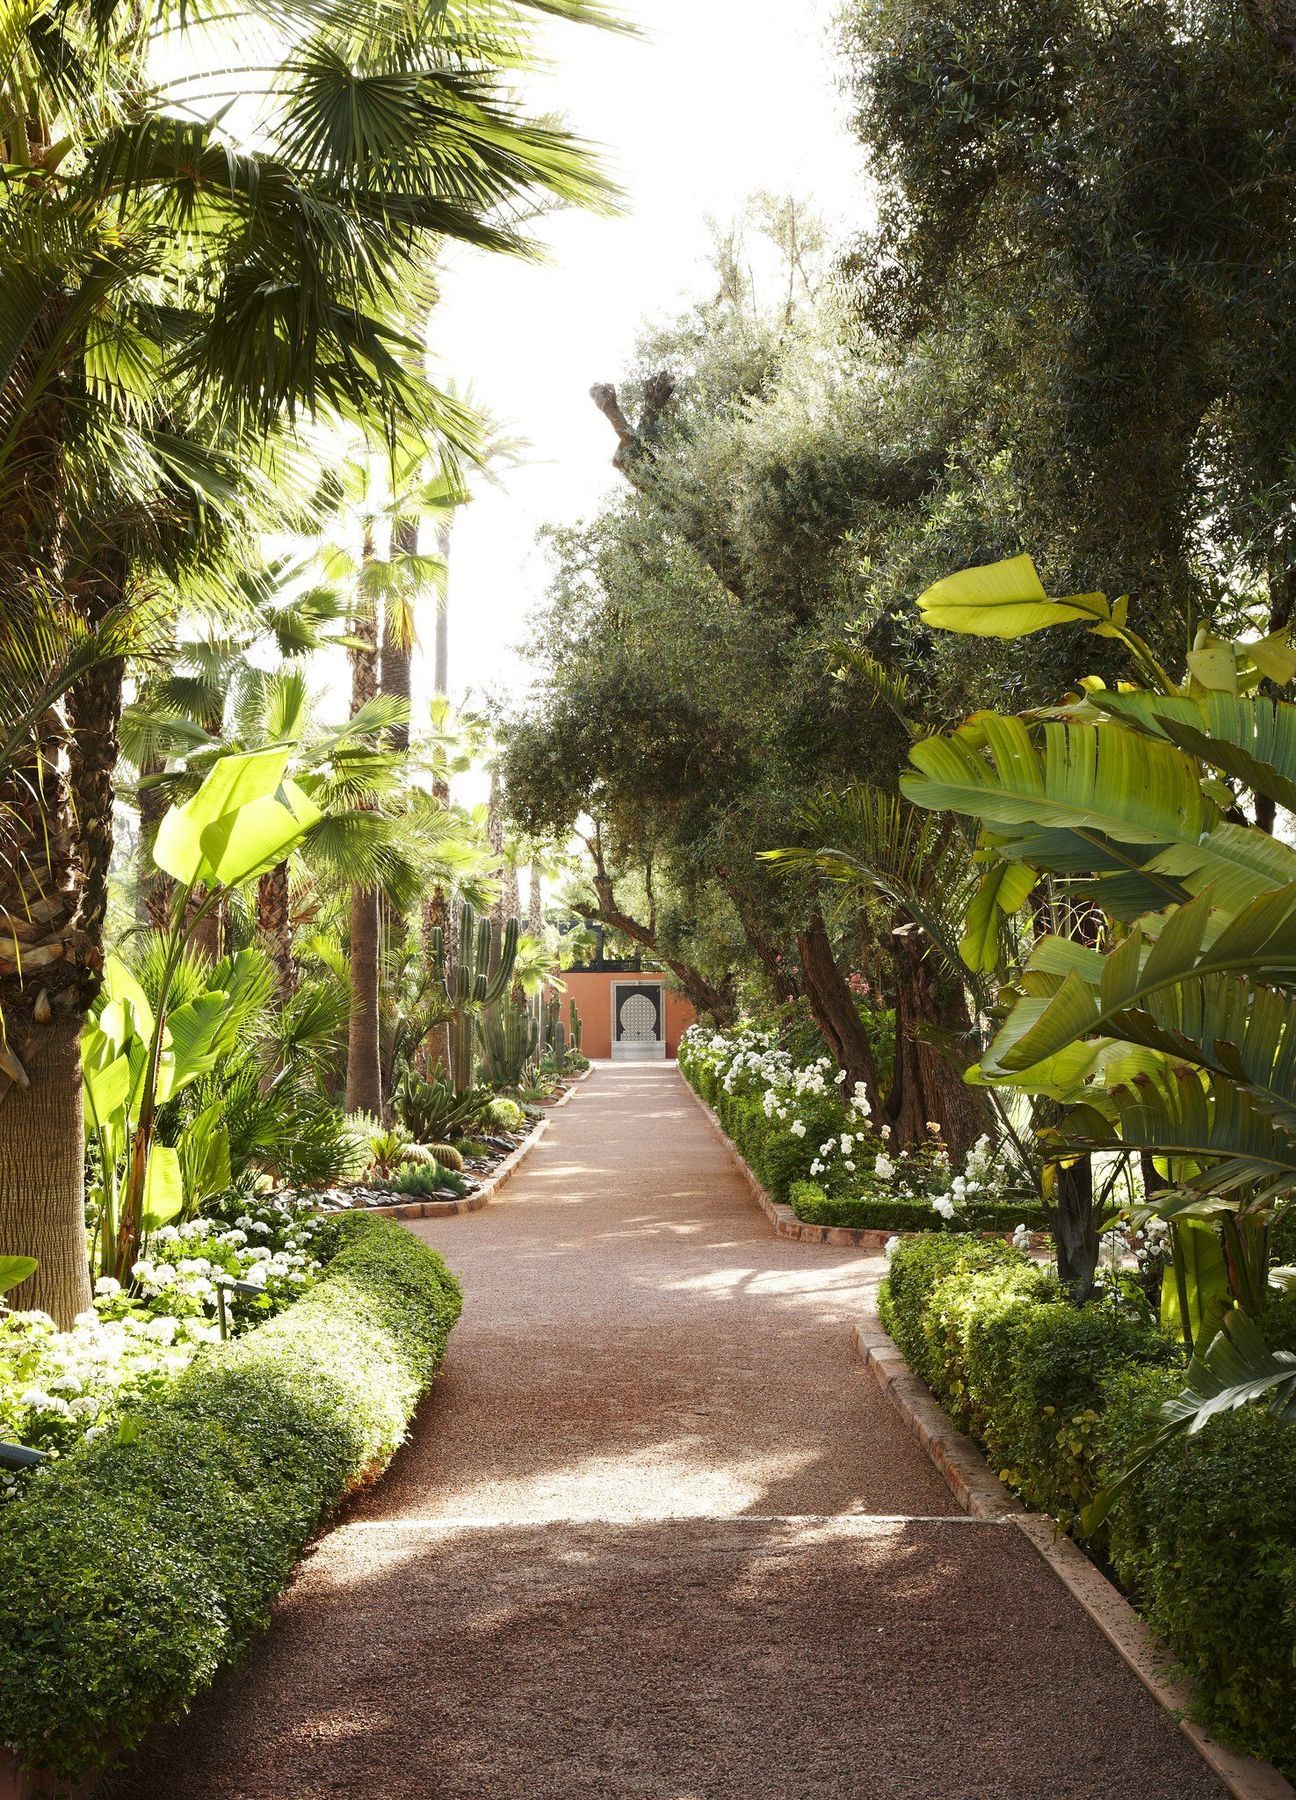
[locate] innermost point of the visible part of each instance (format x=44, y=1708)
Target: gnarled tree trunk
x=833, y=1007
x=925, y=1086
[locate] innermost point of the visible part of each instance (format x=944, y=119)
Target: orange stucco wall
x=592, y=992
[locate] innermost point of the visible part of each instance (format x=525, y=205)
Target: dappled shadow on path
x=722, y=1659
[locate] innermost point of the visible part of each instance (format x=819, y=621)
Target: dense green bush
x=918, y=1267
x=139, y=1564
x=809, y=1201
x=1204, y=1537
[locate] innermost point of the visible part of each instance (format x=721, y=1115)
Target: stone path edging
x=466, y=1203
x=981, y=1494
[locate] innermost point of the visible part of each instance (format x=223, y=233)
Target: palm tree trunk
x=53, y=900
x=42, y=1174
x=156, y=890
x=441, y=653
x=364, y=1064
x=274, y=922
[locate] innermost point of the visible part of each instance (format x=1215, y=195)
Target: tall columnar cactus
x=510, y=1038
x=478, y=976
x=577, y=1027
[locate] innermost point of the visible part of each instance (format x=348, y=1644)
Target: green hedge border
x=810, y=1202
x=1204, y=1539
x=134, y=1570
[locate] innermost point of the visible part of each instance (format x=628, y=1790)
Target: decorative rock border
x=444, y=1209
x=981, y=1494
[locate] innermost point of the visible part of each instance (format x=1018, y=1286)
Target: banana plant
x=1174, y=1037
x=246, y=817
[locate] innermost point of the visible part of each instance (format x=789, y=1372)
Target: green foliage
x=134, y=1569
x=1110, y=307
x=809, y=1201
x=917, y=1268
x=425, y=1181
x=432, y=1110
x=1205, y=1535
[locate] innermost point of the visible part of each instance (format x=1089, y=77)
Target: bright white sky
x=719, y=100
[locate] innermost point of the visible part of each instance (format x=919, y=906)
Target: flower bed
x=809, y=1201
x=134, y=1567
x=1204, y=1538
x=817, y=1149
x=58, y=1388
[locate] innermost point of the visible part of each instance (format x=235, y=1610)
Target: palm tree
x=174, y=302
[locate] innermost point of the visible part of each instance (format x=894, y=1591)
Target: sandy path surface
x=657, y=1534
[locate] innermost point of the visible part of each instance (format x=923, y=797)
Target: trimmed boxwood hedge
x=1204, y=1537
x=133, y=1570
x=864, y=1213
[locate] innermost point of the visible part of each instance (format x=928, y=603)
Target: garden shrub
x=810, y=1202
x=135, y=1567
x=918, y=1266
x=1037, y=1374
x=1205, y=1538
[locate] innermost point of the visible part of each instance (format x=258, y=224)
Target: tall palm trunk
x=441, y=651
x=42, y=1174
x=364, y=1060
x=57, y=824
x=274, y=924
x=156, y=890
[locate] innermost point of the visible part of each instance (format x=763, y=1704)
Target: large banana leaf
x=1078, y=777
x=1074, y=994
x=1226, y=1024
x=1237, y=1369
x=1004, y=600
x=1203, y=1118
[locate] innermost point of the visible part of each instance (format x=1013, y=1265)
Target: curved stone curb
x=981, y=1494
x=781, y=1217
x=446, y=1209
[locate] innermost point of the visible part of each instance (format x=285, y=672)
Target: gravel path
x=656, y=1534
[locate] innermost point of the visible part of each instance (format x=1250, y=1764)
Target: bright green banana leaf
x=244, y=819
x=1004, y=888
x=15, y=1269
x=1205, y=1282
x=1095, y=992
x=163, y=1186
x=1004, y=600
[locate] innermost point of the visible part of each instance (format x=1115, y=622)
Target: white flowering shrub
x=816, y=1145
x=59, y=1387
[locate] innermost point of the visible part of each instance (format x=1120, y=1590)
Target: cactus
x=470, y=983
x=577, y=1027
x=510, y=1036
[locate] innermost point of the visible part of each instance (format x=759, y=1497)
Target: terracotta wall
x=592, y=992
